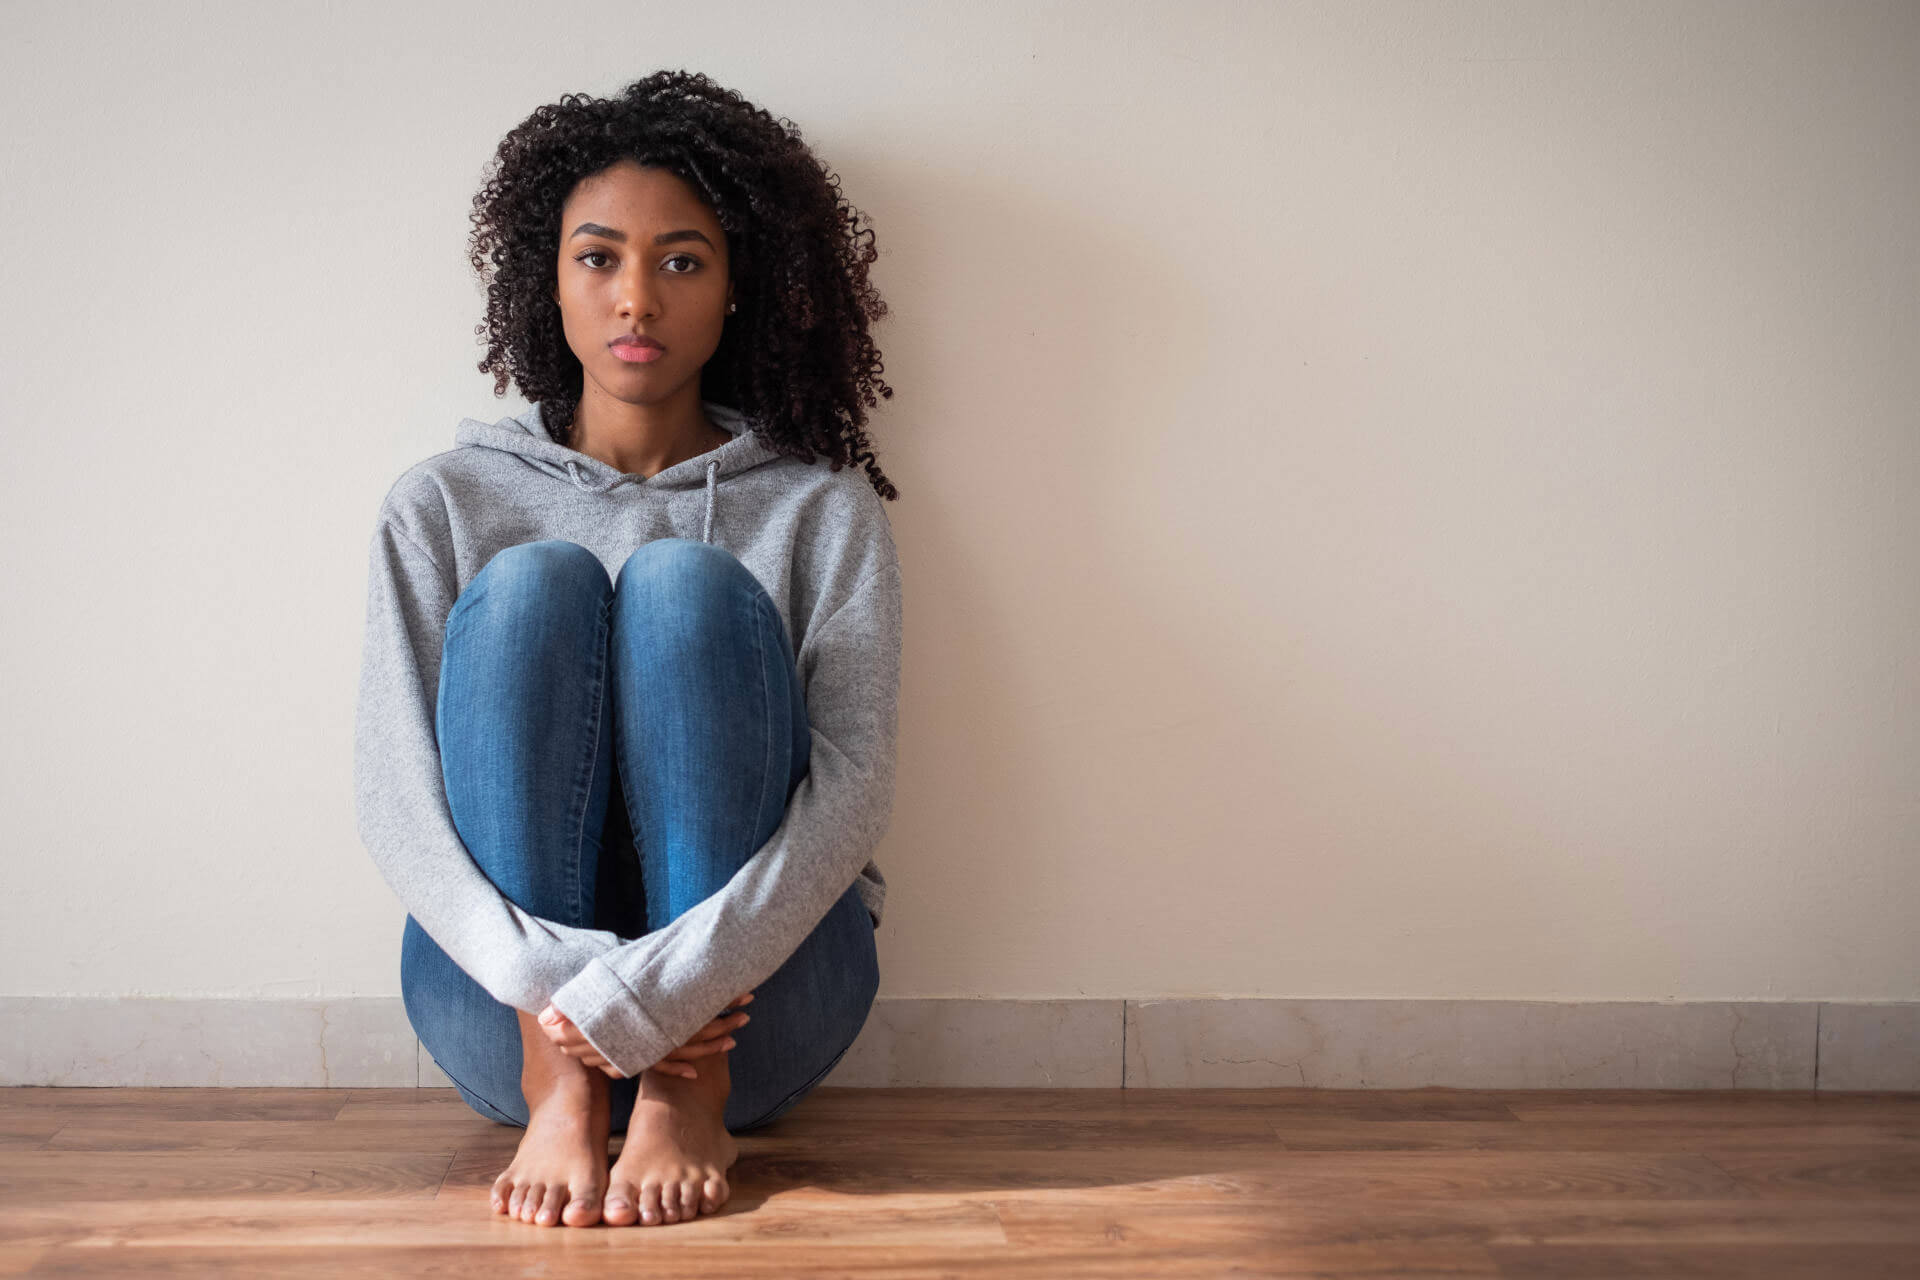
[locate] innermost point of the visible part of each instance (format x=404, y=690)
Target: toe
x=548, y=1214
x=530, y=1203
x=514, y=1199
x=690, y=1197
x=583, y=1210
x=621, y=1210
x=670, y=1201
x=716, y=1195
x=650, y=1203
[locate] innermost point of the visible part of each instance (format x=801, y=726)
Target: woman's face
x=640, y=253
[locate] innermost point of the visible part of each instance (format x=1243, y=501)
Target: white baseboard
x=1184, y=1043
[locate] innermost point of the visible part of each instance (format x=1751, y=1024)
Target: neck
x=644, y=439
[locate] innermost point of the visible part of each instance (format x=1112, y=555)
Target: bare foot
x=673, y=1164
x=560, y=1171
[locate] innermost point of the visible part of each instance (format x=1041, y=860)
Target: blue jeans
x=677, y=681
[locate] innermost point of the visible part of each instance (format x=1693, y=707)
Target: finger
x=724, y=1023
x=700, y=1048
x=734, y=1017
x=718, y=1029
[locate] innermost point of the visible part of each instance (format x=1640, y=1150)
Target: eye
x=687, y=258
x=581, y=258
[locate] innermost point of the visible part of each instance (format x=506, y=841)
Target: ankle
x=564, y=1091
x=709, y=1092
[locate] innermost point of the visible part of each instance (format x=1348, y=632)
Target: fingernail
x=729, y=1042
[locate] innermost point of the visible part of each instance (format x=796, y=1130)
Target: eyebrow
x=670, y=237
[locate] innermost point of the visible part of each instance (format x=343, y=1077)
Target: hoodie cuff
x=610, y=1017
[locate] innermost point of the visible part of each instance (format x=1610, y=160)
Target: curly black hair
x=797, y=358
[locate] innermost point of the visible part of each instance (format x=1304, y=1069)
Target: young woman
x=625, y=733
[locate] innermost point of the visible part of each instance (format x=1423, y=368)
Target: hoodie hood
x=525, y=436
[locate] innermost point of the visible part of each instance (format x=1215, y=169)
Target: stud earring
x=732, y=307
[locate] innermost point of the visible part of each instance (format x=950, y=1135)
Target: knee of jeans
x=685, y=567
x=538, y=568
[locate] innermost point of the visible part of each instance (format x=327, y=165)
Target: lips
x=636, y=349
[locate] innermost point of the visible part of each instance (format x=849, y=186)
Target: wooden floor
x=1005, y=1182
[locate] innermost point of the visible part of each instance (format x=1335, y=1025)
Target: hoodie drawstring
x=713, y=471
x=573, y=469
x=713, y=490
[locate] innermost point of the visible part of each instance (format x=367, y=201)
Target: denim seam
x=622, y=777
x=766, y=699
x=498, y=1111
x=585, y=784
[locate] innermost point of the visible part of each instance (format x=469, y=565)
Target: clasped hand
x=708, y=1040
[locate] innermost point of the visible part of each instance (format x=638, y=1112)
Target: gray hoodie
x=821, y=544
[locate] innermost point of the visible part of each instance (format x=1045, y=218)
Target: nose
x=639, y=295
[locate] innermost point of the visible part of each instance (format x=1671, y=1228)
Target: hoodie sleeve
x=400, y=797
x=640, y=1002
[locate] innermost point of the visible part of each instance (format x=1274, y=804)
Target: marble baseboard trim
x=1138, y=1044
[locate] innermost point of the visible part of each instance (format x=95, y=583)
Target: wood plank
x=91, y=1177
x=103, y=1132
x=1822, y=1175
x=1397, y=1229
x=1727, y=1106
x=1304, y=1133
x=1368, y=1104
x=1748, y=1220
x=1707, y=1261
x=27, y=1130
x=266, y=1222
x=178, y=1104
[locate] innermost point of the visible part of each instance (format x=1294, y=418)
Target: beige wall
x=1399, y=499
